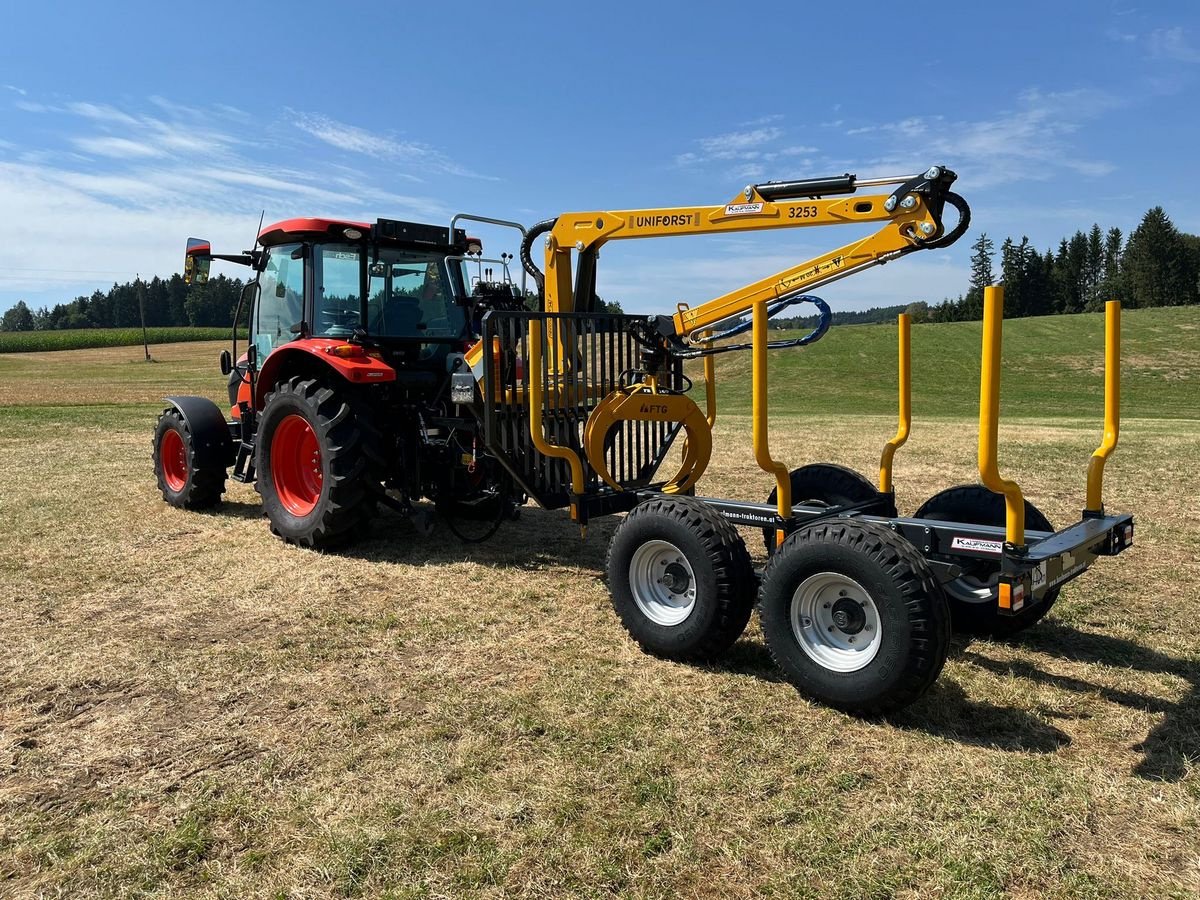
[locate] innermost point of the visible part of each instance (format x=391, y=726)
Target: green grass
x=85, y=338
x=192, y=708
x=1052, y=367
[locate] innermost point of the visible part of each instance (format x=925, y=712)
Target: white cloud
x=737, y=144
x=1172, y=44
x=353, y=139
x=15, y=89
x=119, y=148
x=743, y=153
x=1031, y=141
x=129, y=188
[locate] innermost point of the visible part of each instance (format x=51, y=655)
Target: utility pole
x=141, y=292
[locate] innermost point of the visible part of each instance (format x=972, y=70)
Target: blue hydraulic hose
x=823, y=323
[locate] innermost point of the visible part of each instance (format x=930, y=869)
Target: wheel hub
x=296, y=465
x=662, y=583
x=836, y=622
x=676, y=578
x=848, y=616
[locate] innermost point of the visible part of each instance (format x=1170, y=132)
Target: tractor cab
x=388, y=285
x=410, y=294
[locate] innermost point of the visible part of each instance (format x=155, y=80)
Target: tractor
x=387, y=366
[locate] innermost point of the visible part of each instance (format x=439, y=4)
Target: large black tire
x=340, y=451
x=701, y=603
x=183, y=482
x=824, y=483
x=854, y=616
x=973, y=596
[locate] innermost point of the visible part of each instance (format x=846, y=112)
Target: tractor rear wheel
x=681, y=579
x=826, y=484
x=317, y=457
x=183, y=482
x=974, y=595
x=854, y=616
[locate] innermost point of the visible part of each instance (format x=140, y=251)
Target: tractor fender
x=358, y=368
x=211, y=436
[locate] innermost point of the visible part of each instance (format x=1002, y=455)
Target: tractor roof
x=292, y=229
x=386, y=230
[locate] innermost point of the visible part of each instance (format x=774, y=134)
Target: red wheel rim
x=173, y=456
x=296, y=465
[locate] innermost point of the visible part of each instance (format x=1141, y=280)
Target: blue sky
x=126, y=129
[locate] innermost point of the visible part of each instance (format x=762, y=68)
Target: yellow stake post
x=989, y=417
x=762, y=451
x=1112, y=406
x=905, y=416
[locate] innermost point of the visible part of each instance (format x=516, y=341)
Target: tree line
x=1157, y=266
x=167, y=302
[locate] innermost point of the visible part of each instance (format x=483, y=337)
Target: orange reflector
x=1012, y=596
x=345, y=351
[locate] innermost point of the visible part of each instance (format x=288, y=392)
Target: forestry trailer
x=391, y=363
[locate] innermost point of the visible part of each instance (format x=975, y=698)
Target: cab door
x=278, y=313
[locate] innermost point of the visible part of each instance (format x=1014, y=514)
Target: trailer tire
x=701, y=605
x=318, y=464
x=826, y=483
x=853, y=615
x=973, y=596
x=184, y=482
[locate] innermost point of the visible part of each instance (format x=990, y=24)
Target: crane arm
x=911, y=217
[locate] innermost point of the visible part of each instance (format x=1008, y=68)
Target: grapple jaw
x=642, y=403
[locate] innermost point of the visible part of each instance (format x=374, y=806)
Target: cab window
x=409, y=294
x=280, y=299
x=338, y=310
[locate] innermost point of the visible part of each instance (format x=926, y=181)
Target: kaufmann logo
x=743, y=209
x=977, y=544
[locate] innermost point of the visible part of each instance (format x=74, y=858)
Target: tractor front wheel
x=183, y=481
x=317, y=464
x=681, y=579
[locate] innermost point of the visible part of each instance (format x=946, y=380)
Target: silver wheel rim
x=970, y=588
x=835, y=622
x=662, y=583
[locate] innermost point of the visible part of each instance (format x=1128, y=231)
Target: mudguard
x=212, y=439
x=358, y=368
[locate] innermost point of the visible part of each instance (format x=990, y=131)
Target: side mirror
x=197, y=261
x=226, y=362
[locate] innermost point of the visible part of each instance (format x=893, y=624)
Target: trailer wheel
x=681, y=579
x=824, y=483
x=974, y=595
x=183, y=482
x=854, y=616
x=318, y=462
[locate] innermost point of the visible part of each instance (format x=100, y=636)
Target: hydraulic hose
x=964, y=222
x=825, y=318
x=527, y=243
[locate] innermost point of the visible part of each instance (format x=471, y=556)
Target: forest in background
x=1157, y=266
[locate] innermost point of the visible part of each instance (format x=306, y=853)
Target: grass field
x=191, y=707
x=86, y=338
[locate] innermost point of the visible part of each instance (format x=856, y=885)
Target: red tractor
x=343, y=399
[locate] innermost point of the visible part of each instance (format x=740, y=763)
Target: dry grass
x=191, y=707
